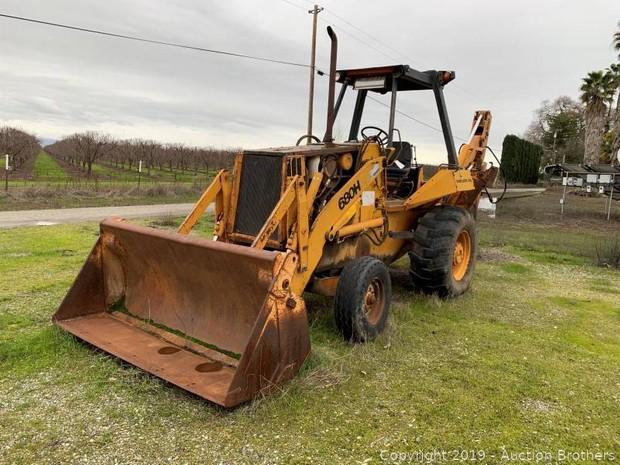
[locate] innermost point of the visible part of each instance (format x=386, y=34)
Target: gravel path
x=12, y=219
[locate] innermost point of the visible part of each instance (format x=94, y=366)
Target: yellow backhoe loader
x=225, y=318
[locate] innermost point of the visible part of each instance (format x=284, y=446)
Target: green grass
x=545, y=243
x=48, y=169
x=529, y=359
x=102, y=170
x=47, y=172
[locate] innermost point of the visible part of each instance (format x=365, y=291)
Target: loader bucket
x=215, y=319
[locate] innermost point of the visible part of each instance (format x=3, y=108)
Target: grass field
x=46, y=167
x=109, y=172
x=158, y=174
x=51, y=177
x=529, y=360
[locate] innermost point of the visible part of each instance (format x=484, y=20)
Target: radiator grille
x=259, y=191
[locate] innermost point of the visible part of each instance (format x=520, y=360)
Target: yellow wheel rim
x=461, y=256
x=374, y=301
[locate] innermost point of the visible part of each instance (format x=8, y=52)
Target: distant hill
x=45, y=141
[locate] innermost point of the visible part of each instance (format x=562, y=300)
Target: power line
x=295, y=5
x=343, y=30
x=208, y=50
x=430, y=126
x=328, y=11
x=386, y=46
x=353, y=26
x=153, y=41
x=362, y=41
x=406, y=115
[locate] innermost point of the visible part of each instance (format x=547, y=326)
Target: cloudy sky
x=508, y=56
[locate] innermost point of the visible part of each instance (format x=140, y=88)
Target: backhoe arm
x=471, y=154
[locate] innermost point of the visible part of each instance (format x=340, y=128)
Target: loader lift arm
x=218, y=192
x=307, y=241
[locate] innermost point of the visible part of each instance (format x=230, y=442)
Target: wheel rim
x=374, y=301
x=461, y=256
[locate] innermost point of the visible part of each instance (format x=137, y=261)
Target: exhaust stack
x=329, y=139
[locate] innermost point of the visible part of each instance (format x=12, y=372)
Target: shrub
x=608, y=253
x=520, y=160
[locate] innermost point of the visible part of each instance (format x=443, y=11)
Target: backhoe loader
x=225, y=318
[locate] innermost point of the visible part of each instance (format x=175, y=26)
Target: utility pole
x=555, y=135
x=314, y=12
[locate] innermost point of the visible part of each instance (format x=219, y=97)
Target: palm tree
x=616, y=41
x=597, y=92
x=614, y=118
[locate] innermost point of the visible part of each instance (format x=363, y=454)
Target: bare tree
x=19, y=145
x=90, y=146
x=84, y=149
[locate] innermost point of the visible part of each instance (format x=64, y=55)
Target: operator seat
x=402, y=178
x=402, y=164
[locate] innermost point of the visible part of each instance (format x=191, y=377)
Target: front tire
x=362, y=301
x=443, y=252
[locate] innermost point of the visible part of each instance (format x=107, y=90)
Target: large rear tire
x=362, y=299
x=443, y=253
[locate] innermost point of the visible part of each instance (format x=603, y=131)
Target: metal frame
x=445, y=124
x=357, y=114
x=392, y=109
x=579, y=174
x=398, y=79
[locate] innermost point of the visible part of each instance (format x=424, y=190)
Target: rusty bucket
x=215, y=319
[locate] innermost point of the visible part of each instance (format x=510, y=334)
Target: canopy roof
x=379, y=79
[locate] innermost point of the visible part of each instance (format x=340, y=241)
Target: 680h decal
x=348, y=196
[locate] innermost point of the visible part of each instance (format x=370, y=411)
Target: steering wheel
x=380, y=135
x=308, y=136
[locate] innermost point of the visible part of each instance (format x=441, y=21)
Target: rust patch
x=168, y=350
x=208, y=367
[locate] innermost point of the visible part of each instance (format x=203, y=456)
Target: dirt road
x=13, y=219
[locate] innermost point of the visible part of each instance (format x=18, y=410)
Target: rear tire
x=443, y=252
x=362, y=301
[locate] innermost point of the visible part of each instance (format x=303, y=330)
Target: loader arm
x=218, y=192
x=277, y=215
x=334, y=216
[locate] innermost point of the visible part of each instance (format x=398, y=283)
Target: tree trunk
x=595, y=128
x=615, y=146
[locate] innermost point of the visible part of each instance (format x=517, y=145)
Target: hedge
x=520, y=160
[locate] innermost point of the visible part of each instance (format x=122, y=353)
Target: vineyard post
x=6, y=172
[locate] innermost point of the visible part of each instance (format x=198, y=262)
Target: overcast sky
x=508, y=57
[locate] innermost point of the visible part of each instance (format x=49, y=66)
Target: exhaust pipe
x=329, y=139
